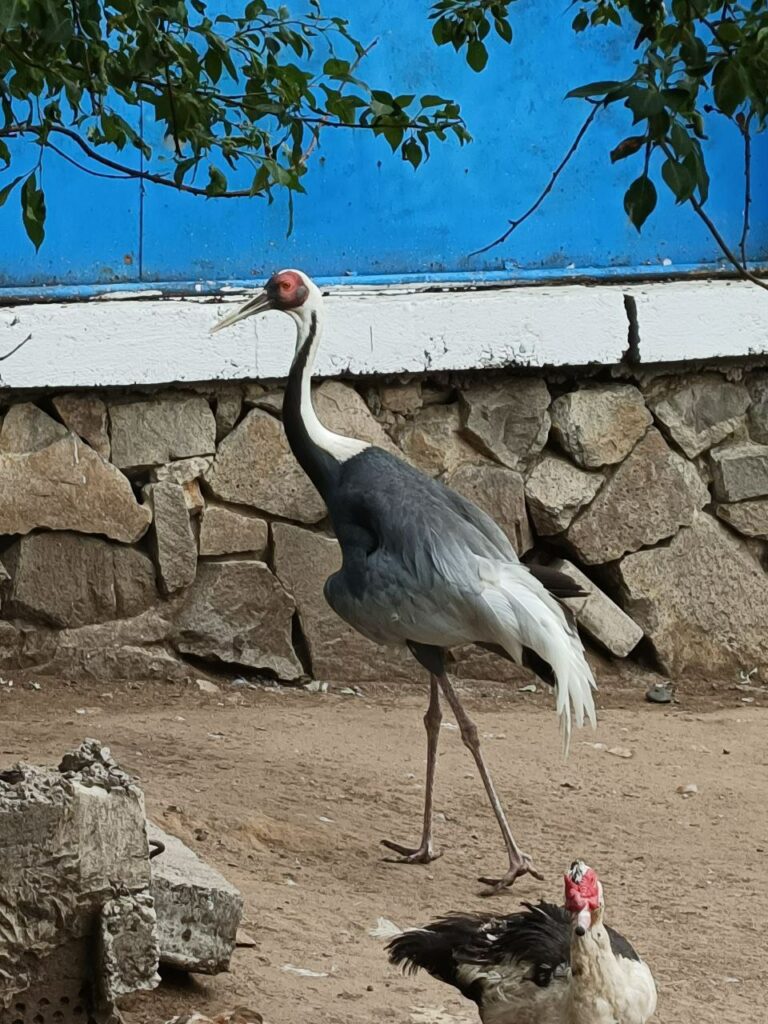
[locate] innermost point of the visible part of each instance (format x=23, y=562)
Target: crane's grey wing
x=421, y=563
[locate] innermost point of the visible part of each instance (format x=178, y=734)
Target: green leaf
x=412, y=152
x=593, y=89
x=728, y=85
x=679, y=179
x=5, y=154
x=640, y=200
x=7, y=189
x=581, y=21
x=477, y=55
x=627, y=147
x=33, y=210
x=680, y=139
x=503, y=29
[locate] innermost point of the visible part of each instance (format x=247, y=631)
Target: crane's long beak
x=257, y=304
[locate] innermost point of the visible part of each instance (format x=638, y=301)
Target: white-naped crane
x=544, y=965
x=424, y=567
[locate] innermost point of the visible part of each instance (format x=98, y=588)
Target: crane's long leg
x=519, y=863
x=424, y=852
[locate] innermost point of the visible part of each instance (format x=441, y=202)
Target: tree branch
x=744, y=128
x=742, y=268
x=515, y=224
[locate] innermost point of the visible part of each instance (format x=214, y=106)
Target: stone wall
x=157, y=534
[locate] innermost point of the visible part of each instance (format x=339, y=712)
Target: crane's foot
x=518, y=866
x=423, y=854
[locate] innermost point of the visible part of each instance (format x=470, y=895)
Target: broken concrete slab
x=598, y=615
x=128, y=947
x=198, y=911
x=740, y=471
x=67, y=486
x=66, y=835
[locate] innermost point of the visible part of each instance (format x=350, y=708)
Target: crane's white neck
x=309, y=327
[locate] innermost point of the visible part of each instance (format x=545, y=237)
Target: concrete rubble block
x=303, y=562
x=224, y=531
x=198, y=911
x=254, y=466
x=86, y=415
x=128, y=946
x=698, y=410
x=748, y=517
x=237, y=612
x=229, y=405
x=598, y=615
x=702, y=600
x=401, y=398
x=757, y=385
x=740, y=471
x=601, y=424
x=431, y=440
x=341, y=409
x=156, y=430
x=649, y=497
x=95, y=580
x=174, y=542
x=507, y=420
x=67, y=486
x=66, y=835
x=556, y=491
x=262, y=397
x=501, y=493
x=28, y=429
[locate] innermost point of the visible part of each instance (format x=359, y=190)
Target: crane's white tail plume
x=523, y=613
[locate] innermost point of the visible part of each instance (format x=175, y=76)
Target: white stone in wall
x=556, y=491
x=698, y=410
x=160, y=429
x=600, y=424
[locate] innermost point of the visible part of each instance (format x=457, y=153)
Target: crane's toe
x=518, y=866
x=423, y=854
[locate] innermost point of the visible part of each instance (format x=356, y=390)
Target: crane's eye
x=285, y=286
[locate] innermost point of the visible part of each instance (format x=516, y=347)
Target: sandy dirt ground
x=288, y=793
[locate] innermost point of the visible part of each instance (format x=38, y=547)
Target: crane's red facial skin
x=286, y=290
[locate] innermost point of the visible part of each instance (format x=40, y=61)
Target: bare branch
x=515, y=224
x=16, y=348
x=744, y=129
x=742, y=269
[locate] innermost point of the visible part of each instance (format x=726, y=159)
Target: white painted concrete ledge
x=128, y=340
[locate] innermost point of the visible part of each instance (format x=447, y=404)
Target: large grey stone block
x=198, y=911
x=599, y=616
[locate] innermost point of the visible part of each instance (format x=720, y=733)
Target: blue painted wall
x=367, y=214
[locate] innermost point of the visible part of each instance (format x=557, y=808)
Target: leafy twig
x=515, y=224
x=324, y=120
